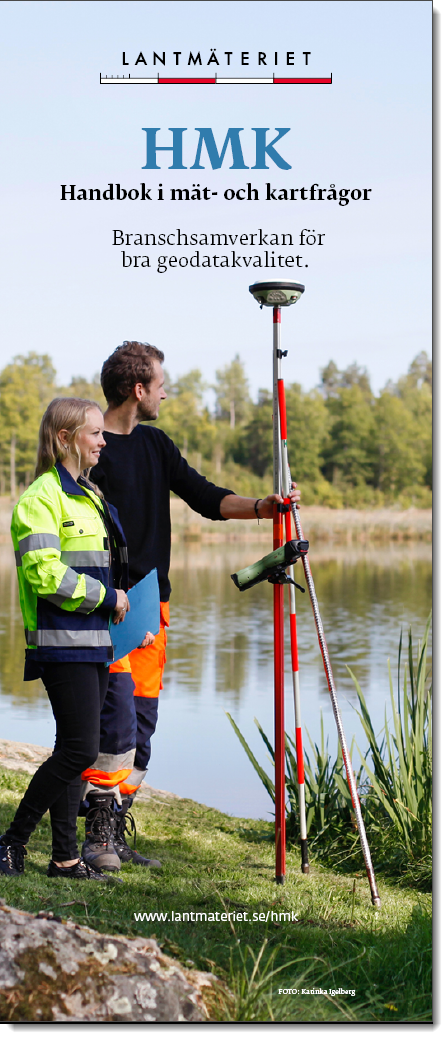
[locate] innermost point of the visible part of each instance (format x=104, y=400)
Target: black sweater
x=136, y=474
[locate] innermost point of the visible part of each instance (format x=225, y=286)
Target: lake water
x=220, y=658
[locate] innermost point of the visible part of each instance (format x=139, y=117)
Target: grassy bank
x=213, y=863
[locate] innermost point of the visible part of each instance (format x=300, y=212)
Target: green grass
x=212, y=863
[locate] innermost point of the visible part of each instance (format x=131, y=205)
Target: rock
x=56, y=971
x=26, y=757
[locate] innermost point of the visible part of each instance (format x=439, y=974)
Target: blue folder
x=143, y=616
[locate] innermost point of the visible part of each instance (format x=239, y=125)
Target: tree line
x=347, y=446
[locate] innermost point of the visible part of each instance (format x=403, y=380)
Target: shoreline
x=321, y=525
x=26, y=757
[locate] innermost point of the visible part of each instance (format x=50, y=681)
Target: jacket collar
x=68, y=484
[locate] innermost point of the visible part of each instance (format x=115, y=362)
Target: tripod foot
x=280, y=879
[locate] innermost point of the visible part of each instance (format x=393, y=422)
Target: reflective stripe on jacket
x=64, y=564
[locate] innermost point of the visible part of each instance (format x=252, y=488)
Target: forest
x=348, y=447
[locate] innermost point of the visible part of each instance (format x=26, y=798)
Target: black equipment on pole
x=282, y=293
x=271, y=567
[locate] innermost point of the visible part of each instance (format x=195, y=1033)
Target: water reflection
x=220, y=658
x=365, y=596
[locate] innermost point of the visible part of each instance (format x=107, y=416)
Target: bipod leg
x=297, y=717
x=376, y=901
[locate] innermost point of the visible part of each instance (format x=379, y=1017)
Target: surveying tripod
x=277, y=568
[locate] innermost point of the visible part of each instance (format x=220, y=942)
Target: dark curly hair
x=130, y=363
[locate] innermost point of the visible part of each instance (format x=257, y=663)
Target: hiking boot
x=98, y=848
x=125, y=823
x=11, y=859
x=80, y=871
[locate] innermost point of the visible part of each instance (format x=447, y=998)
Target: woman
x=68, y=543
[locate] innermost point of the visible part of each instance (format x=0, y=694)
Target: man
x=138, y=468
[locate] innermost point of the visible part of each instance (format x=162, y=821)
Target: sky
x=367, y=286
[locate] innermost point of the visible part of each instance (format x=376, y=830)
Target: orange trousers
x=129, y=717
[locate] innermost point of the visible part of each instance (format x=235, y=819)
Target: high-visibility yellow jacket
x=66, y=540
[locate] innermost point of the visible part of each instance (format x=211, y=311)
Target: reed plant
x=329, y=808
x=327, y=794
x=394, y=781
x=399, y=769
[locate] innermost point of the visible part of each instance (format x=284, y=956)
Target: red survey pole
x=277, y=294
x=286, y=489
x=279, y=638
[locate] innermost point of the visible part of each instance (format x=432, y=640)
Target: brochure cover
x=159, y=160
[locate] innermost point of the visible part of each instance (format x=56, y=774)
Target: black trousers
x=76, y=693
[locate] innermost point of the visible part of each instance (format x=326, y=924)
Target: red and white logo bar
x=212, y=80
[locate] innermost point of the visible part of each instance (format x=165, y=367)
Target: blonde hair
x=68, y=413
